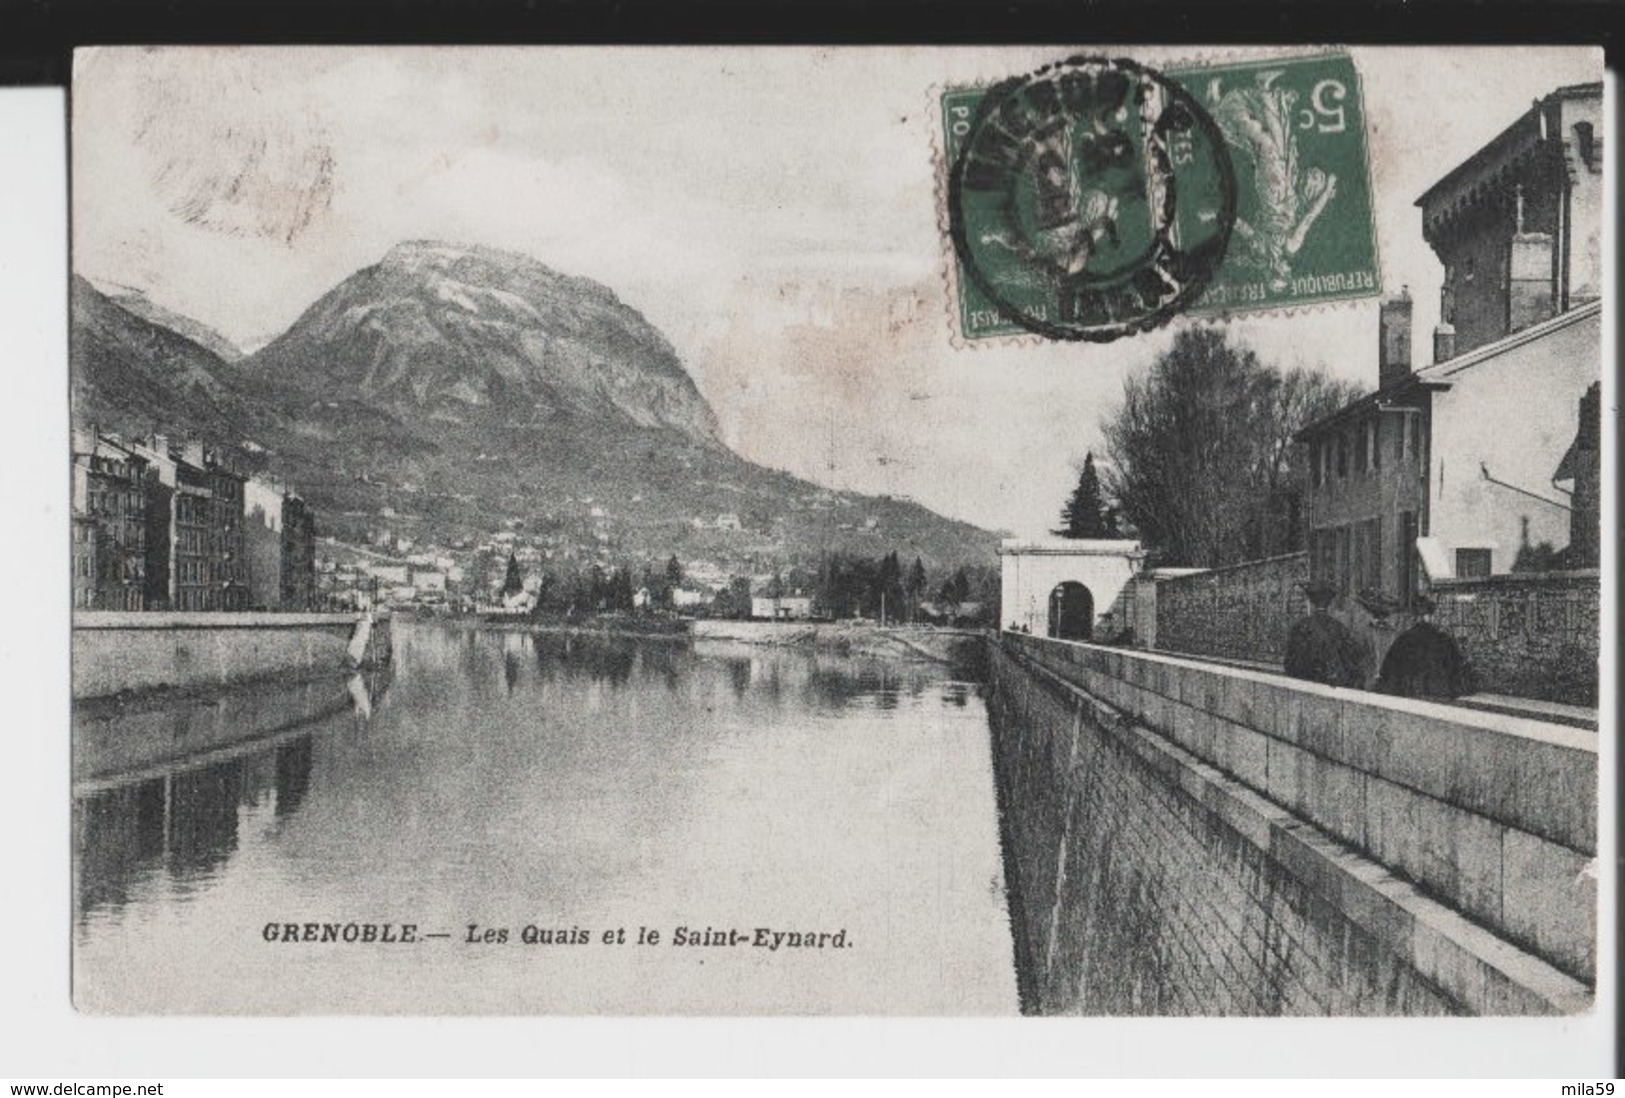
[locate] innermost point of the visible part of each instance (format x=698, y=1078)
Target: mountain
x=131, y=374
x=136, y=301
x=447, y=391
x=477, y=335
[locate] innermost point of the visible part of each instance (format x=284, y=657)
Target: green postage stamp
x=1099, y=197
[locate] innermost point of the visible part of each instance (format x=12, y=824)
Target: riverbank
x=130, y=653
x=616, y=626
x=900, y=642
x=118, y=740
x=846, y=638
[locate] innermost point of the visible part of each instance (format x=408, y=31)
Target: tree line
x=1201, y=464
x=842, y=585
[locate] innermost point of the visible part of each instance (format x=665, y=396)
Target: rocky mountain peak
x=467, y=332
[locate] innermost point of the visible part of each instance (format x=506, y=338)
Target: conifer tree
x=513, y=582
x=1083, y=516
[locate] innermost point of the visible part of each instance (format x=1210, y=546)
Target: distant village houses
x=164, y=526
x=782, y=608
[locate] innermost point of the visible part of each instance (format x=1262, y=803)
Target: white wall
x=1515, y=412
x=1030, y=570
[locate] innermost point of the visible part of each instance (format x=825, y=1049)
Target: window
x=1408, y=534
x=1472, y=563
x=1374, y=447
x=1365, y=561
x=1321, y=556
x=1314, y=464
x=1356, y=562
x=1342, y=455
x=1361, y=462
x=1373, y=561
x=1341, y=576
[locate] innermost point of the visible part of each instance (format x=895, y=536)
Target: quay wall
x=1185, y=838
x=116, y=740
x=117, y=652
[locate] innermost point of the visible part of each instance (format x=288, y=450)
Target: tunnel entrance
x=1071, y=612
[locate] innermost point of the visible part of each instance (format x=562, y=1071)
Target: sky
x=773, y=211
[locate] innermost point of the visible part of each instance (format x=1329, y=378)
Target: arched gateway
x=1071, y=611
x=1060, y=587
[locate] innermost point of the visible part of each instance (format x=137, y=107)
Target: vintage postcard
x=865, y=531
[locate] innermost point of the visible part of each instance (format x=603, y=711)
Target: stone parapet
x=117, y=652
x=1461, y=832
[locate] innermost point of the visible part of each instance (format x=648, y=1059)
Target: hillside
x=130, y=374
x=135, y=301
x=446, y=392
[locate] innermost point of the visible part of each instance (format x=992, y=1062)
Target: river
x=496, y=786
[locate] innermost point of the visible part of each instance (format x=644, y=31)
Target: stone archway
x=1033, y=570
x=1071, y=611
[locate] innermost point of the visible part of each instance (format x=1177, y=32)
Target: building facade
x=84, y=533
x=160, y=527
x=206, y=568
x=279, y=540
x=782, y=608
x=110, y=498
x=1451, y=471
x=1517, y=225
x=1581, y=467
x=228, y=563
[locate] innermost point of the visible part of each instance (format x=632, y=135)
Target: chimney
x=192, y=452
x=1444, y=343
x=1394, y=337
x=1530, y=297
x=1529, y=280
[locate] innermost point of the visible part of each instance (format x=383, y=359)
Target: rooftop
x=1521, y=138
x=1081, y=547
x=1437, y=375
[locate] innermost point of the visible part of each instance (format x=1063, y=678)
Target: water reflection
x=181, y=826
x=584, y=779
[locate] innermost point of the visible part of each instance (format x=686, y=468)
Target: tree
x=886, y=597
x=739, y=592
x=674, y=572
x=914, y=587
x=513, y=582
x=1084, y=516
x=1203, y=461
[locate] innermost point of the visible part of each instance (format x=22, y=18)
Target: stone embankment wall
x=116, y=652
x=1531, y=635
x=1183, y=838
x=1242, y=612
x=115, y=743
